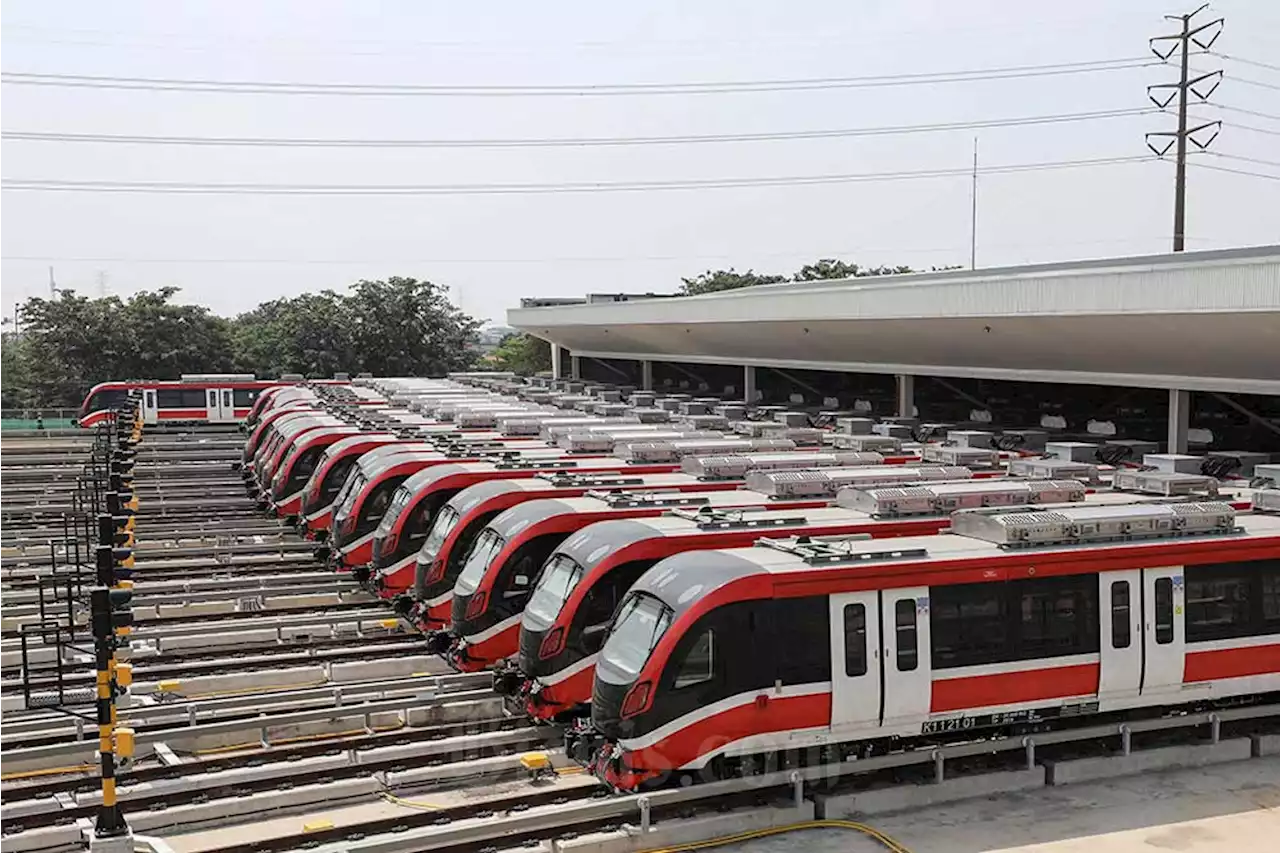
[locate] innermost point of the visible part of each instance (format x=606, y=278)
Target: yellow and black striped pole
x=110, y=821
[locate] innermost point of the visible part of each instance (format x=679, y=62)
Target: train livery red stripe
x=1014, y=687
x=1237, y=662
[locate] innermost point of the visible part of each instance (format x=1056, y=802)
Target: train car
x=406, y=525
x=195, y=398
x=327, y=485
x=578, y=589
x=402, y=541
x=718, y=662
x=356, y=520
x=264, y=429
x=499, y=571
x=459, y=521
x=289, y=483
x=288, y=431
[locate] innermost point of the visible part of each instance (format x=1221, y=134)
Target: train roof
x=539, y=509
x=359, y=438
x=549, y=483
x=682, y=578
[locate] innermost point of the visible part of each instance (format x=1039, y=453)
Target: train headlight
x=476, y=605
x=637, y=699
x=552, y=644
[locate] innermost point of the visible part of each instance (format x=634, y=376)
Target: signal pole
x=111, y=618
x=1177, y=140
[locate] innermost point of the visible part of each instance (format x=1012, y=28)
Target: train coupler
x=507, y=678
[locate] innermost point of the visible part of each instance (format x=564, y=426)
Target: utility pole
x=973, y=213
x=1181, y=44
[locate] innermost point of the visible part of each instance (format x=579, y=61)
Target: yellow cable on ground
x=399, y=801
x=48, y=771
x=869, y=831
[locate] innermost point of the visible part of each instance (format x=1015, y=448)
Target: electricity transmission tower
x=1162, y=95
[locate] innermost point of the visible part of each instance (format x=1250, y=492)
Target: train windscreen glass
x=445, y=521
x=398, y=502
x=350, y=490
x=641, y=622
x=487, y=546
x=556, y=581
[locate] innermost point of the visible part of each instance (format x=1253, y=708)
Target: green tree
x=406, y=327
x=70, y=343
x=397, y=327
x=831, y=268
x=713, y=281
x=16, y=391
x=521, y=353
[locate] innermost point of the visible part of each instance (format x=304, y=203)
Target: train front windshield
x=555, y=583
x=346, y=499
x=487, y=546
x=640, y=624
x=446, y=520
x=399, y=501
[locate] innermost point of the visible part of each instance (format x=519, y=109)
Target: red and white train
x=445, y=548
x=195, y=398
x=718, y=660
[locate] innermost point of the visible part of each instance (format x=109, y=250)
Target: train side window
x=244, y=397
x=169, y=398
x=151, y=399
x=1271, y=593
x=1164, y=610
x=698, y=665
x=1217, y=603
x=800, y=630
x=376, y=505
x=968, y=624
x=1057, y=616
x=855, y=640
x=1120, y=632
x=904, y=617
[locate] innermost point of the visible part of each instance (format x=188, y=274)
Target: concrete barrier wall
x=907, y=797
x=1147, y=761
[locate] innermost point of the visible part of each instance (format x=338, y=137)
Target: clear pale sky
x=231, y=251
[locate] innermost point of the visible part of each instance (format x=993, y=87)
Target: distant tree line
x=713, y=281
x=396, y=327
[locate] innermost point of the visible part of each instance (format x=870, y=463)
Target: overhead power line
x=1200, y=164
x=1242, y=111
x=1243, y=61
x=566, y=142
x=177, y=187
x=259, y=87
x=1259, y=161
x=825, y=252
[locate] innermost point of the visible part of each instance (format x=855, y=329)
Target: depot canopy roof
x=1195, y=320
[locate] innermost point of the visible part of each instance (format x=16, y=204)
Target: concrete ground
x=1229, y=808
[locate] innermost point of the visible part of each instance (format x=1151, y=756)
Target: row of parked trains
x=695, y=590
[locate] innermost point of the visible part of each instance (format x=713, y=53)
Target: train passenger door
x=149, y=405
x=218, y=411
x=1163, y=634
x=904, y=626
x=855, y=662
x=1122, y=640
